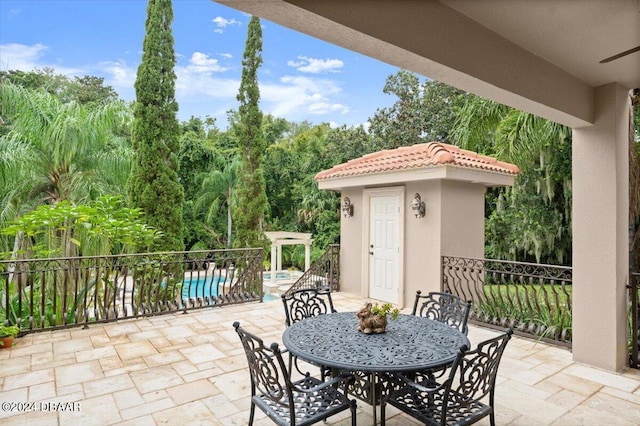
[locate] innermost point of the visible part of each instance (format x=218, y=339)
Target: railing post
x=634, y=277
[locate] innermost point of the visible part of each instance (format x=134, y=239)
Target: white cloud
x=222, y=23
x=321, y=108
x=296, y=97
x=14, y=56
x=22, y=57
x=316, y=66
x=119, y=76
x=202, y=63
x=226, y=55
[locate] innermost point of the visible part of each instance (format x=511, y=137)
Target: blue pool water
x=206, y=287
x=279, y=276
x=200, y=287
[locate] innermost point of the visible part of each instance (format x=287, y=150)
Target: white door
x=384, y=248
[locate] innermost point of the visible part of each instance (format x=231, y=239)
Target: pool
x=200, y=287
x=282, y=275
x=207, y=287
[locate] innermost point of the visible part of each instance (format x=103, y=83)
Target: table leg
x=372, y=380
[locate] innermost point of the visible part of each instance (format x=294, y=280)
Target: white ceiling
x=573, y=35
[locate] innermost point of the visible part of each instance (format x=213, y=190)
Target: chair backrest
x=443, y=307
x=306, y=303
x=473, y=375
x=269, y=376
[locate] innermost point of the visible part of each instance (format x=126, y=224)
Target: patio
x=178, y=369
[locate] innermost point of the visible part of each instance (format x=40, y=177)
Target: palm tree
x=217, y=191
x=58, y=151
x=536, y=213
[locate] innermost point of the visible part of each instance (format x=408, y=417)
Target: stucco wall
x=462, y=219
x=453, y=225
x=422, y=240
x=351, y=246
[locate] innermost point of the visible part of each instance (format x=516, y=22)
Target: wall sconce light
x=347, y=207
x=417, y=205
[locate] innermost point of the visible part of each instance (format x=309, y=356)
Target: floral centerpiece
x=372, y=319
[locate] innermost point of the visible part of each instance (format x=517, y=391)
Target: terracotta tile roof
x=425, y=155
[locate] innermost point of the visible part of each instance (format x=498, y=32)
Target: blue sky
x=301, y=78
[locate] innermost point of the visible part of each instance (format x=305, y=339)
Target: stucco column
x=279, y=265
x=307, y=255
x=274, y=255
x=600, y=232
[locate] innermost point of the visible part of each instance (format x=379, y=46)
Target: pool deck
x=191, y=369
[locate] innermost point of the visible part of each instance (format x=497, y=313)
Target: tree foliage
x=57, y=151
x=424, y=112
x=251, y=199
x=154, y=186
x=86, y=90
x=532, y=220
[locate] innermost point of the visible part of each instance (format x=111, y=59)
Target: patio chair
x=446, y=308
x=303, y=402
x=306, y=303
x=443, y=307
x=457, y=400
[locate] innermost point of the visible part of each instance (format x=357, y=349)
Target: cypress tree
x=153, y=185
x=251, y=198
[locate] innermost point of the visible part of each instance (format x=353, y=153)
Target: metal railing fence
x=634, y=319
x=44, y=294
x=324, y=273
x=530, y=298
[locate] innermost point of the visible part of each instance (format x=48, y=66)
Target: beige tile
x=39, y=418
x=155, y=378
x=155, y=395
x=145, y=335
x=78, y=373
x=147, y=409
x=24, y=380
x=121, y=328
x=96, y=353
x=139, y=421
x=202, y=374
x=576, y=384
x=42, y=392
x=194, y=365
x=189, y=392
x=625, y=412
x=137, y=349
x=220, y=405
x=15, y=366
x=164, y=358
x=128, y=398
x=192, y=413
x=107, y=385
x=97, y=411
x=178, y=332
x=13, y=396
x=605, y=378
x=567, y=399
x=71, y=346
x=233, y=385
x=22, y=350
x=202, y=353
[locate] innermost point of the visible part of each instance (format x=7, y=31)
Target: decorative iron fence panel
x=634, y=319
x=531, y=298
x=324, y=273
x=44, y=294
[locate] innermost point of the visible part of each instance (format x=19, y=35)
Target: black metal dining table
x=410, y=343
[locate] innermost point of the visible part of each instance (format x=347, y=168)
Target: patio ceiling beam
x=436, y=41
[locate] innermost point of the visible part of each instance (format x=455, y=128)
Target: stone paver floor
x=190, y=369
